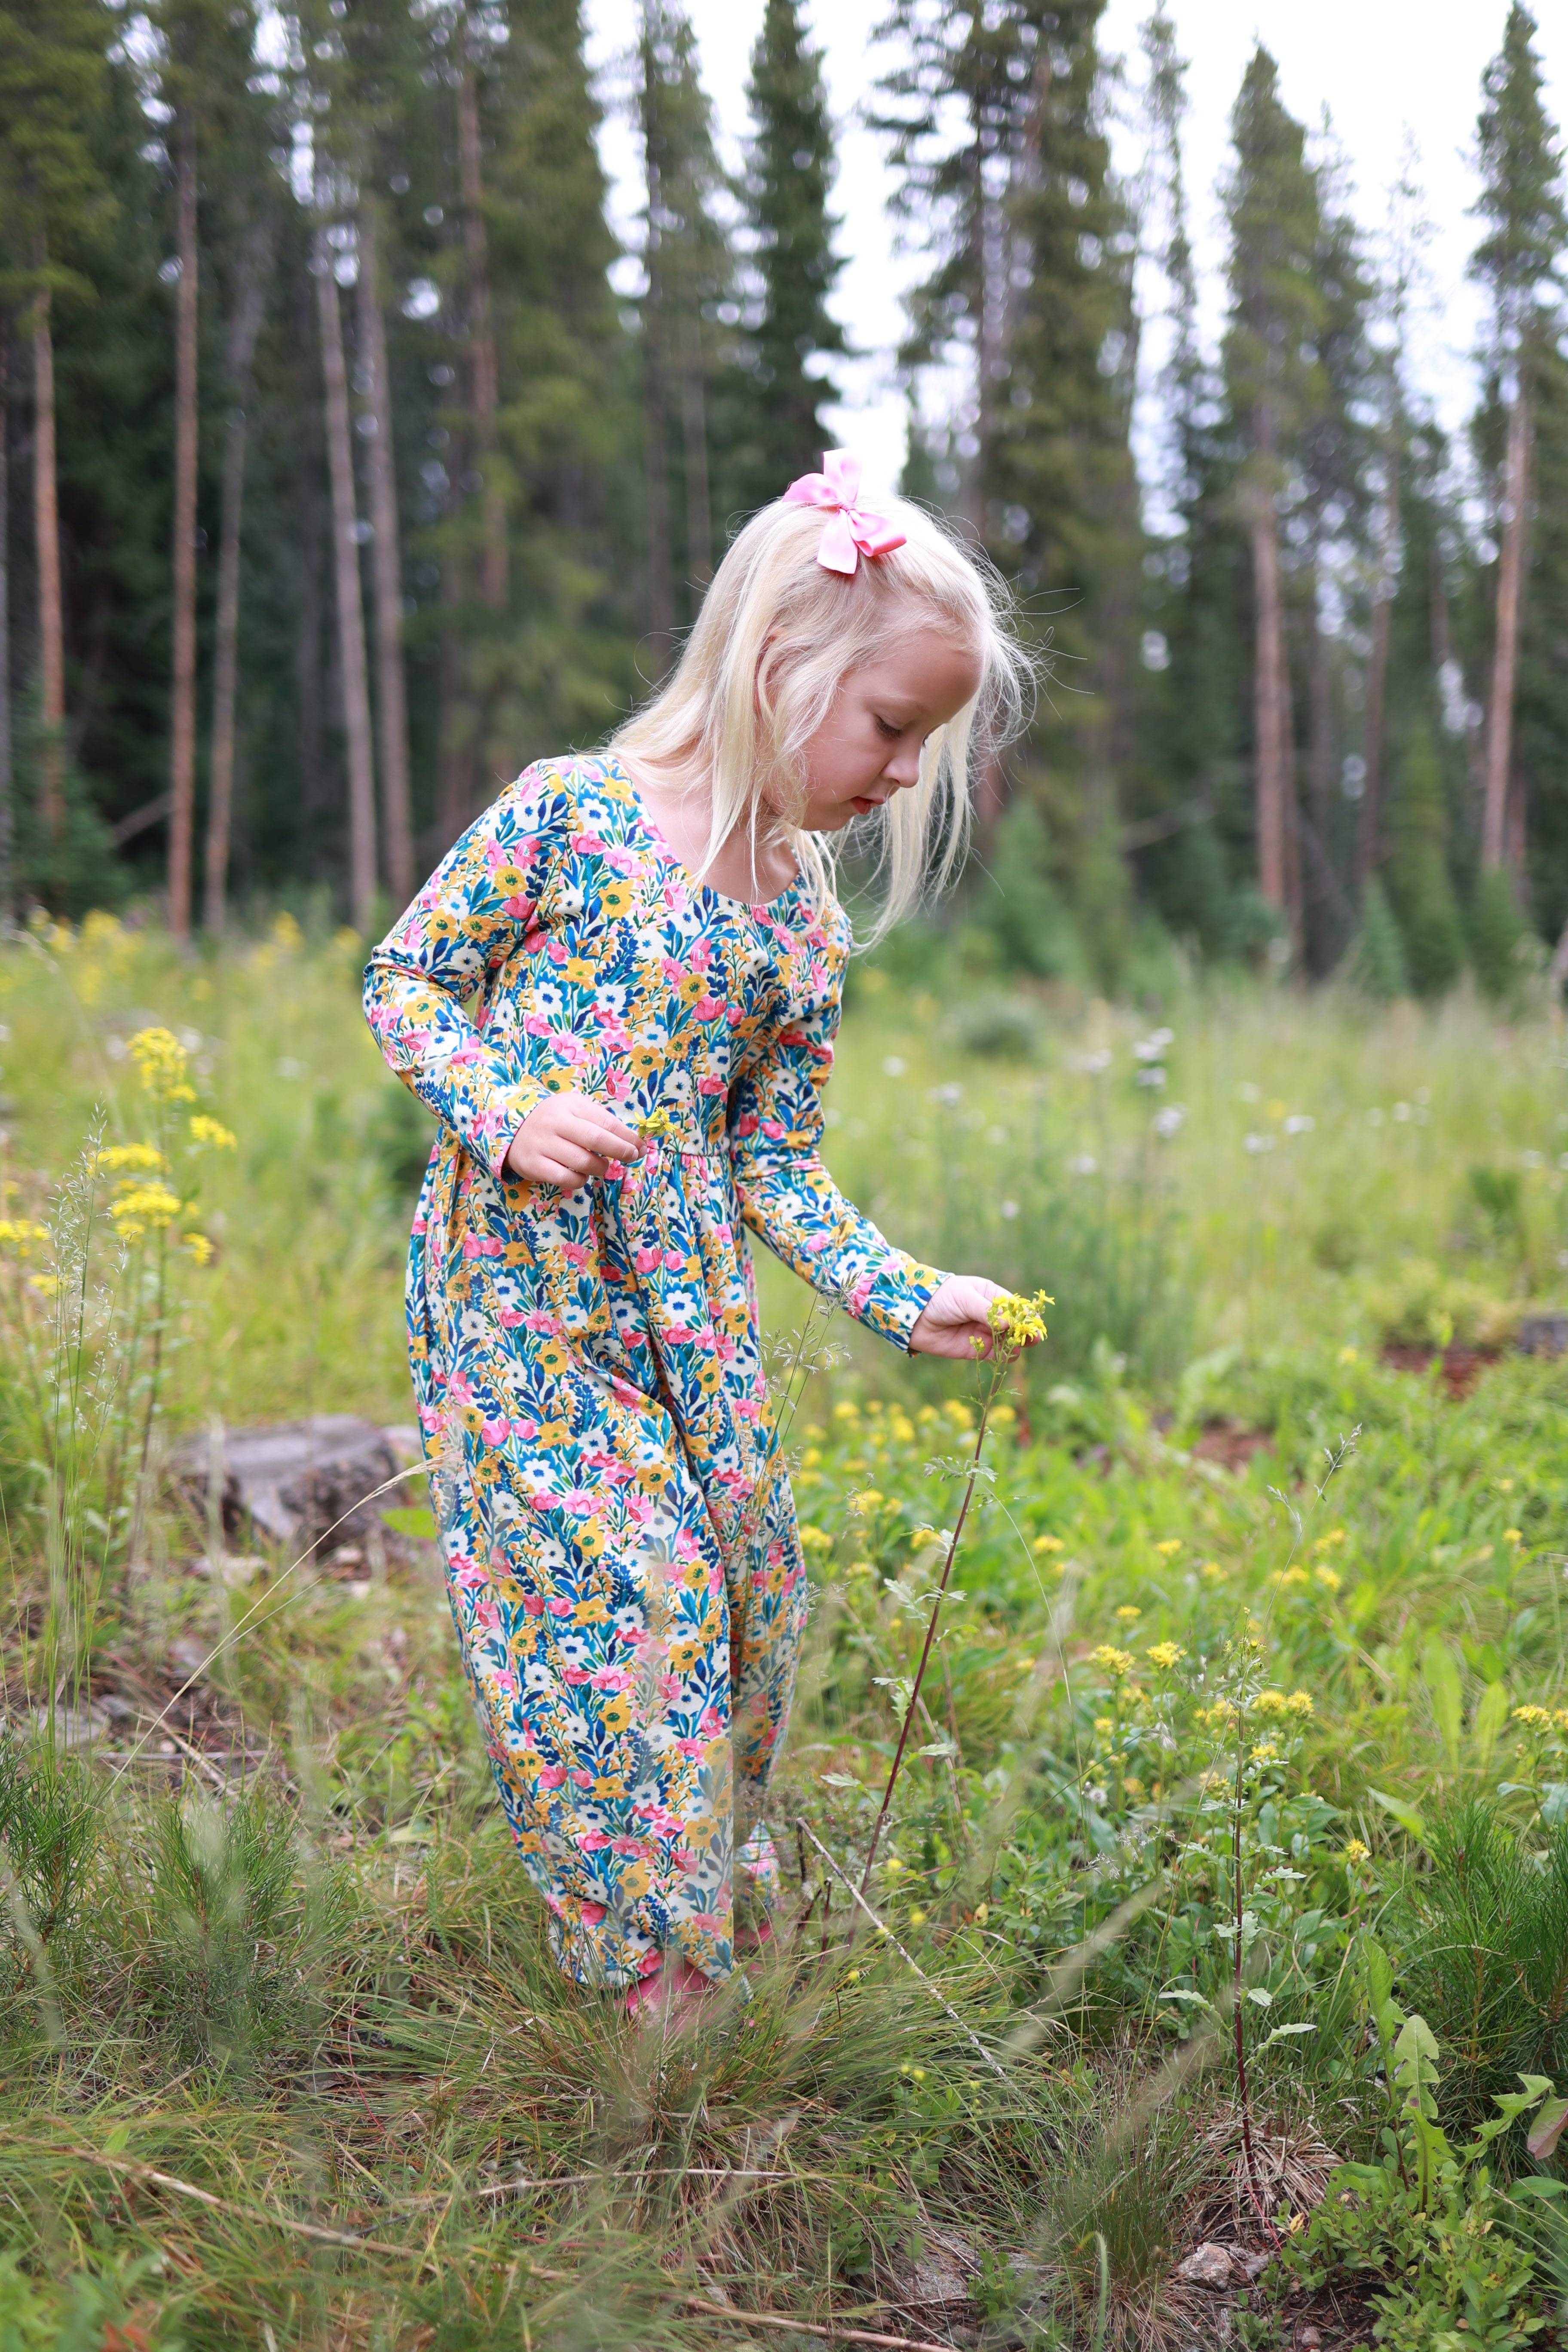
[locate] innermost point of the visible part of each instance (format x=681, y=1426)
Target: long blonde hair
x=776, y=638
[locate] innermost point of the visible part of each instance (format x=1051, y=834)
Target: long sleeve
x=480, y=905
x=789, y=1200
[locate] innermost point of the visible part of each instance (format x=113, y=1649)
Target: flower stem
x=881, y=1822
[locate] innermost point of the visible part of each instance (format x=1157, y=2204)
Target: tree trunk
x=182, y=697
x=47, y=535
x=694, y=426
x=481, y=334
x=1505, y=649
x=7, y=812
x=1270, y=692
x=244, y=328
x=1320, y=783
x=1371, y=816
x=350, y=610
x=381, y=471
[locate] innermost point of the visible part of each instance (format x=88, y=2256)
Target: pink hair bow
x=850, y=531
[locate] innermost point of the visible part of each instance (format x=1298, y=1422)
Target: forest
x=338, y=482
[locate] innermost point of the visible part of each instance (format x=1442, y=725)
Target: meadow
x=1211, y=1981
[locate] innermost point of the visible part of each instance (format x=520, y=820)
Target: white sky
x=1379, y=65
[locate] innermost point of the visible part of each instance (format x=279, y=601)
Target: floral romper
x=622, y=1556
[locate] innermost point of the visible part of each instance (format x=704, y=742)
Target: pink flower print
x=575, y=1675
x=674, y=972
x=481, y=1245
x=592, y=1841
x=508, y=1318
x=693, y=1750
x=713, y=1723
x=575, y=1253
x=486, y=1614
x=708, y=1008
x=624, y=862
x=645, y=1260
x=468, y=1576
x=547, y=1325
x=557, y=951
x=612, y=1678
x=494, y=1432
x=684, y=1859
x=505, y=1680
x=533, y=1602
x=592, y=1912
x=862, y=1292
x=630, y=1849
x=588, y=844
x=561, y=1605
x=583, y=1779
x=535, y=1025
x=774, y=1130
x=675, y=1260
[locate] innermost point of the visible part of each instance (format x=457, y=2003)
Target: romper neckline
x=763, y=910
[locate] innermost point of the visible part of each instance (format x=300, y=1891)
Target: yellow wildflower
x=1286, y=1577
x=1334, y=1536
x=861, y=1568
x=846, y=1410
x=286, y=932
x=1166, y=1654
x=958, y=1412
x=162, y=1062
x=1327, y=1578
x=1534, y=1718
x=1211, y=1572
x=143, y=1208
x=655, y=1122
x=1117, y=1664
x=1299, y=1702
x=1104, y=1725
x=866, y=1502
x=1126, y=1614
x=211, y=1131
x=815, y=1539
x=1017, y=1323
x=1047, y=1543
x=116, y=1159
x=1168, y=1547
x=1266, y=1754
x=22, y=1234
x=1354, y=1851
x=200, y=1247
x=1511, y=1534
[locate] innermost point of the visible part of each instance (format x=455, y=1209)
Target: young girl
x=653, y=952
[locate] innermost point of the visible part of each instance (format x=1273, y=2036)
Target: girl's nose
x=904, y=768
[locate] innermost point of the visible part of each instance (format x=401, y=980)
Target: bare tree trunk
x=244, y=328
x=350, y=610
x=482, y=333
x=1271, y=690
x=182, y=697
x=1370, y=820
x=1320, y=786
x=694, y=426
x=381, y=473
x=7, y=809
x=1505, y=650
x=47, y=536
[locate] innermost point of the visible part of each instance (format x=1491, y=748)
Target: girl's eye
x=885, y=727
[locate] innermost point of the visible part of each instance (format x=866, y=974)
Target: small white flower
x=1532, y=1160
x=1084, y=1165
x=894, y=1066
x=1258, y=1142
x=1298, y=1123
x=1402, y=1112
x=949, y=1096
x=1248, y=1092
x=1155, y=1076
x=1150, y=1048
x=1009, y=1208
x=1375, y=1118
x=1093, y=1066
x=1171, y=1121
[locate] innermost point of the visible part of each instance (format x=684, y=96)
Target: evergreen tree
x=1518, y=261
x=1376, y=963
x=53, y=94
x=788, y=177
x=689, y=270
x=1417, y=871
x=1274, y=383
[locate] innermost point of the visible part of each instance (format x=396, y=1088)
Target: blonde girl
x=618, y=994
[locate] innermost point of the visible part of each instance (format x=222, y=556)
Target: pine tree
x=54, y=88
x=689, y=271
x=1273, y=381
x=1417, y=870
x=1376, y=963
x=788, y=178
x=1518, y=261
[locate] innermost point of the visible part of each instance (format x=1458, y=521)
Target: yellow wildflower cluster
x=1327, y=1578
x=212, y=1132
x=163, y=1063
x=1541, y=1718
x=22, y=1235
x=143, y=1208
x=1166, y=1654
x=1354, y=1851
x=1274, y=1702
x=1168, y=1547
x=1126, y=1614
x=869, y=1500
x=815, y=1539
x=1047, y=1543
x=1117, y=1664
x=1217, y=1717
x=1017, y=1322
x=656, y=1122
x=1265, y=1754
x=121, y=1158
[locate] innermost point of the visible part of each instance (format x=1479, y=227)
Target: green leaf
x=1264, y=1998
x=838, y=1780
x=1548, y=2130
x=1490, y=1716
x=1441, y=1677
x=412, y=1519
x=1280, y=2031
x=1409, y=1819
x=1554, y=1803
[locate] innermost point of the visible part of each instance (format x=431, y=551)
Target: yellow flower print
x=581, y=971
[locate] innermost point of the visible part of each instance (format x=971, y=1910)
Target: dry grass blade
x=268, y=2220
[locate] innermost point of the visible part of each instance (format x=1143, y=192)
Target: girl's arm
x=788, y=1197
x=481, y=902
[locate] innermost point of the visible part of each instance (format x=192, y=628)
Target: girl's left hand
x=954, y=1317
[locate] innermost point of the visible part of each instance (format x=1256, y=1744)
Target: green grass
x=316, y=2001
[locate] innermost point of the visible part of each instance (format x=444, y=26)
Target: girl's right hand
x=567, y=1141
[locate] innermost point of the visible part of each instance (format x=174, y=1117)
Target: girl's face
x=869, y=746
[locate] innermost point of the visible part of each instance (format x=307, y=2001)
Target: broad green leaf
x=1490, y=1716
x=1416, y=2065
x=1548, y=2130
x=1181, y=1993
x=1409, y=1819
x=412, y=1519
x=1264, y=1998
x=1554, y=1803
x=1379, y=1970
x=1280, y=2031
x=1441, y=1677
x=838, y=1780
